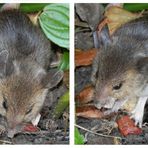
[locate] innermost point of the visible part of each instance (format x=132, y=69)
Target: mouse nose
x=11, y=132
x=99, y=103
x=13, y=128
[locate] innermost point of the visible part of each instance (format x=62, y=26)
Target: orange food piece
x=127, y=126
x=85, y=58
x=89, y=112
x=85, y=95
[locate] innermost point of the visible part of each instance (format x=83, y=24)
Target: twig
x=4, y=141
x=109, y=136
x=82, y=30
x=36, y=133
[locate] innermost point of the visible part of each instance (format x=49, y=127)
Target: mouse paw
x=138, y=117
x=138, y=112
x=36, y=120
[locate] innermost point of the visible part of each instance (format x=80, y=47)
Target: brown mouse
x=120, y=69
x=24, y=80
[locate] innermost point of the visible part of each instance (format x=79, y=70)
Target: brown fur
x=24, y=81
x=21, y=93
x=24, y=59
x=122, y=60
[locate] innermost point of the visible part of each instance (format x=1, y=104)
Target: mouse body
x=24, y=80
x=120, y=69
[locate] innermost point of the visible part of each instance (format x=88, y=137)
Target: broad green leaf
x=135, y=6
x=64, y=64
x=79, y=138
x=32, y=7
x=63, y=103
x=54, y=21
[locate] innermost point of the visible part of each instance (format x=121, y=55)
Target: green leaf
x=54, y=21
x=135, y=6
x=79, y=139
x=32, y=7
x=64, y=64
x=63, y=103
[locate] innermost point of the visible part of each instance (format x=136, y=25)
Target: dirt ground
x=109, y=132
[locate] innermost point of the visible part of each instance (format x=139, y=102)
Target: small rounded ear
x=104, y=37
x=52, y=78
x=10, y=6
x=3, y=62
x=142, y=65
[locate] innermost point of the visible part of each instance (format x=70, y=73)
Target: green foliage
x=79, y=138
x=136, y=6
x=32, y=7
x=63, y=103
x=64, y=64
x=54, y=21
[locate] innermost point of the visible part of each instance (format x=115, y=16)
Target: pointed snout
x=14, y=124
x=13, y=128
x=103, y=98
x=99, y=103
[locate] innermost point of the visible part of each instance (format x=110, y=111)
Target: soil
x=108, y=128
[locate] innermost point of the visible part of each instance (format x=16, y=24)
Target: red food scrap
x=30, y=128
x=127, y=126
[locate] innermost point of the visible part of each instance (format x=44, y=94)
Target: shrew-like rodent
x=120, y=69
x=24, y=80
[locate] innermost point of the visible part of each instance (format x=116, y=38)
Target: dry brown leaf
x=34, y=17
x=85, y=95
x=84, y=58
x=117, y=16
x=102, y=24
x=89, y=112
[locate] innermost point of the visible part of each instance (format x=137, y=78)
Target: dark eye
x=118, y=86
x=28, y=111
x=5, y=105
